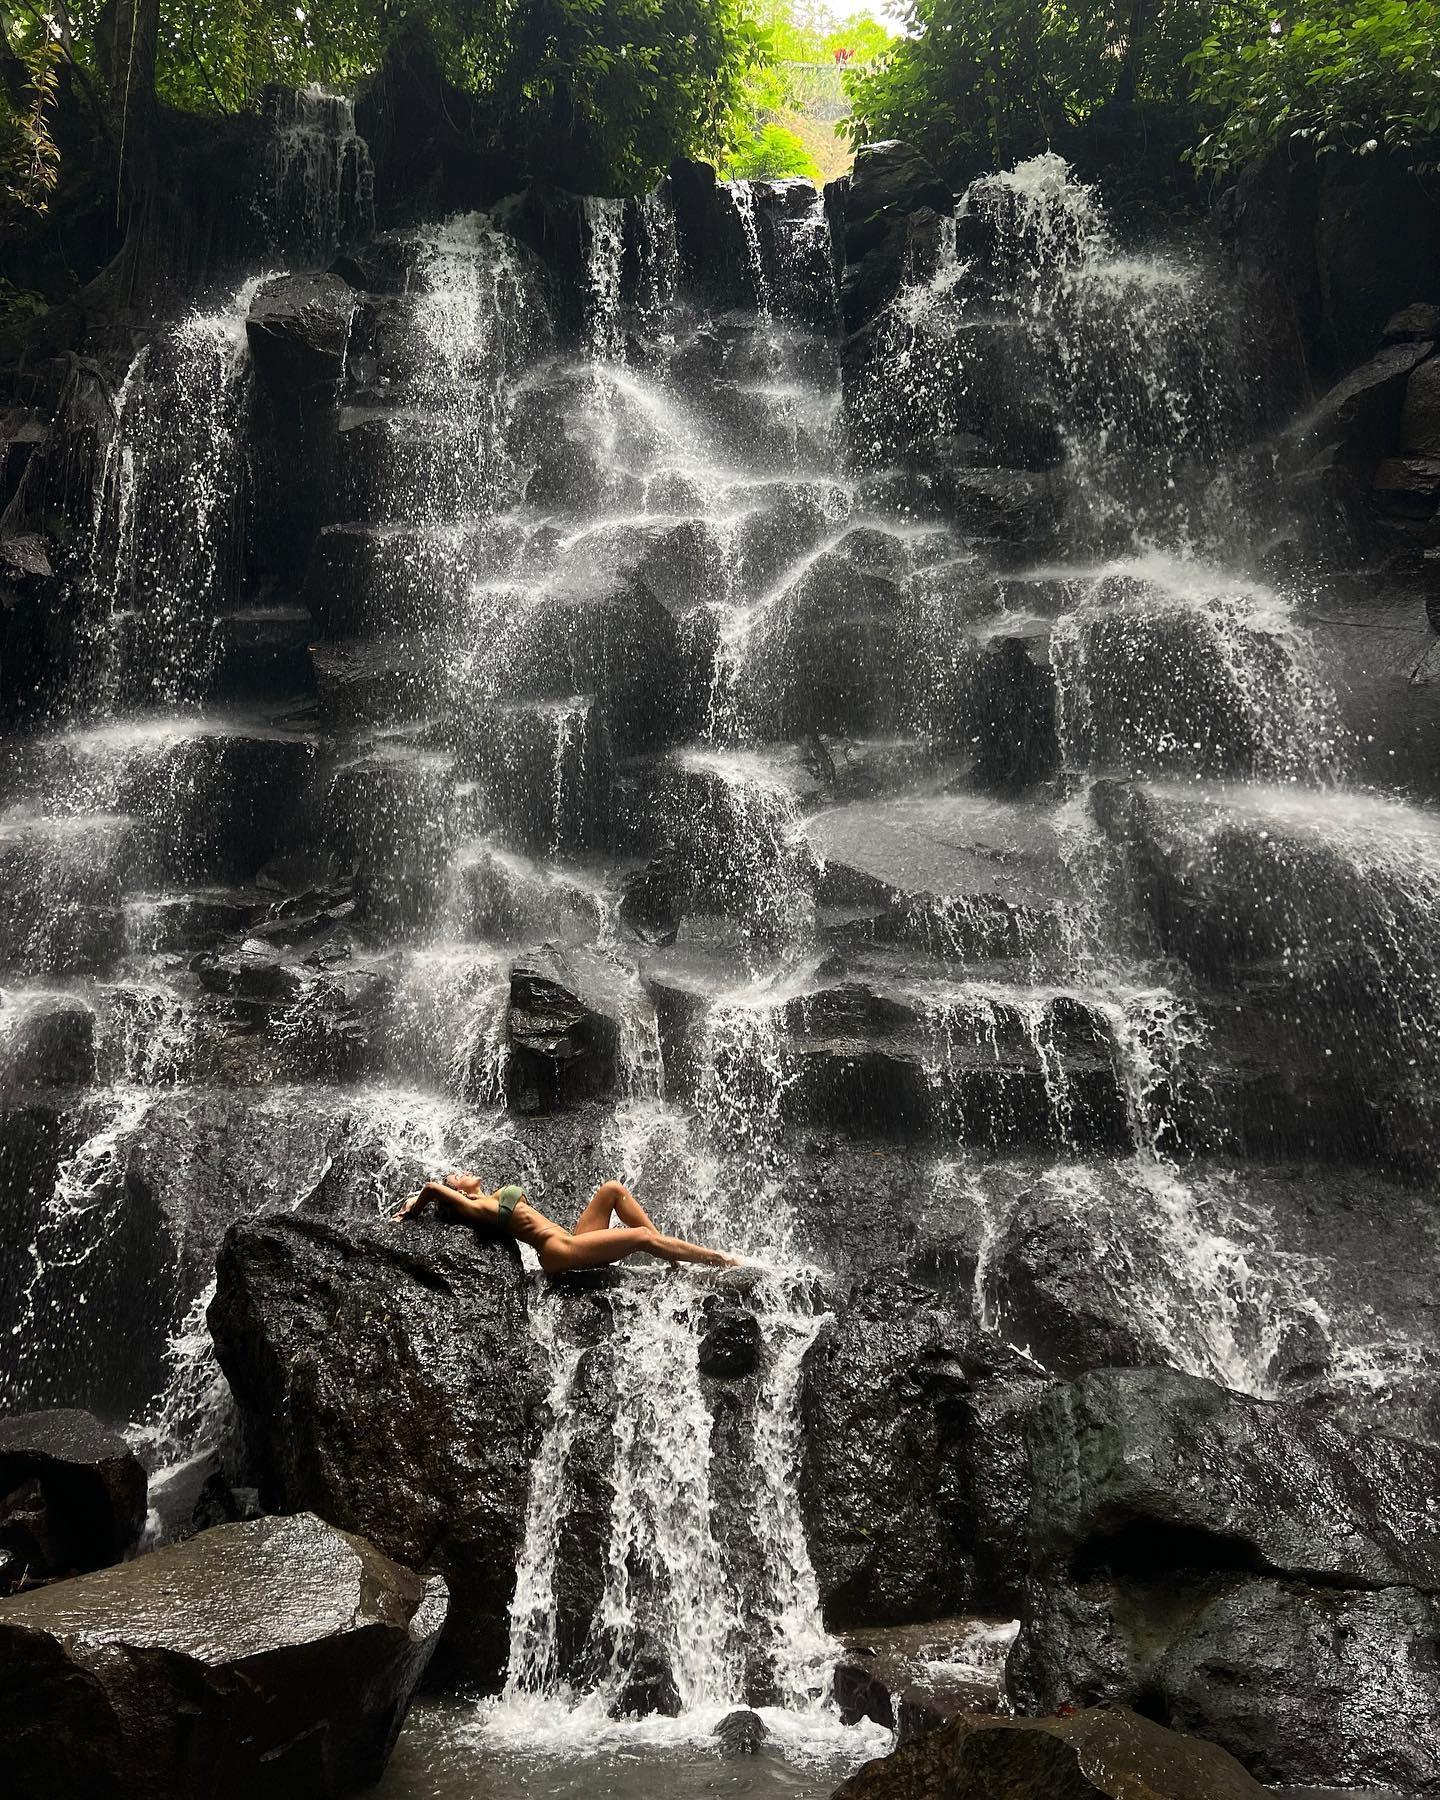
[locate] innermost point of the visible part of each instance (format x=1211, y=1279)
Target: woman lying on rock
x=591, y=1243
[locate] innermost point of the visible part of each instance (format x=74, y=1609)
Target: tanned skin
x=591, y=1244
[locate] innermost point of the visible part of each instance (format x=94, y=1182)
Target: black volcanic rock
x=1105, y=1752
x=741, y=1733
x=564, y=1031
x=1120, y=1458
x=298, y=328
x=254, y=971
x=732, y=1342
x=889, y=182
x=1312, y=1686
x=276, y=1656
x=384, y=1377
x=51, y=1043
x=1360, y=415
x=72, y=1496
x=877, y=1481
x=1241, y=1568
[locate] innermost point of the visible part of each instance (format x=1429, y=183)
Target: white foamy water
x=1165, y=662
x=167, y=524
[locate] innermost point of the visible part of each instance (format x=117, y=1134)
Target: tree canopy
x=798, y=96
x=978, y=83
x=981, y=83
x=1339, y=77
x=602, y=92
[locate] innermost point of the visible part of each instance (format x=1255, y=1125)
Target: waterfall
x=742, y=198
x=534, y=1666
x=166, y=533
x=319, y=187
x=474, y=321
x=79, y=1221
x=801, y=1651
x=912, y=741
x=604, y=260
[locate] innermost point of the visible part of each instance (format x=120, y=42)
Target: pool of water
x=448, y=1751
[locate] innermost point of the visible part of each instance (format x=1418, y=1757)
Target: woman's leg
x=594, y=1249
x=613, y=1197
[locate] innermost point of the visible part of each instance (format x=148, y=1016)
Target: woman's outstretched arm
x=475, y=1207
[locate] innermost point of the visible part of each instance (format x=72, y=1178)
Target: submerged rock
x=741, y=1733
x=276, y=1656
x=915, y=1678
x=72, y=1496
x=383, y=1373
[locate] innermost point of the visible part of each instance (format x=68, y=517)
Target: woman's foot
x=704, y=1256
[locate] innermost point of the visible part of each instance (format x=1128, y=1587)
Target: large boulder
x=1107, y=1751
x=564, y=1029
x=1359, y=418
x=1312, y=1685
x=1124, y=1462
x=1420, y=417
x=1240, y=1567
x=384, y=1377
x=72, y=1496
x=46, y=1040
x=298, y=328
x=276, y=1656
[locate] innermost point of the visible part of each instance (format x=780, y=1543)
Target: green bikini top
x=509, y=1198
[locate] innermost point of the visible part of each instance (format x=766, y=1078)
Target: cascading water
x=658, y=666
x=166, y=532
x=319, y=188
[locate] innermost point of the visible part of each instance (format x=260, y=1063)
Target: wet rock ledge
x=273, y=1657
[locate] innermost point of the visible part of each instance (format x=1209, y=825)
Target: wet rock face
x=563, y=1032
x=1236, y=1566
x=1108, y=1751
x=877, y=1482
x=890, y=181
x=72, y=1496
x=1312, y=1686
x=384, y=1377
x=1118, y=1452
x=276, y=1656
x=298, y=328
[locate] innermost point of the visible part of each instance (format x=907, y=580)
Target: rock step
x=913, y=1678
x=264, y=650
x=214, y=794
x=862, y=1052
